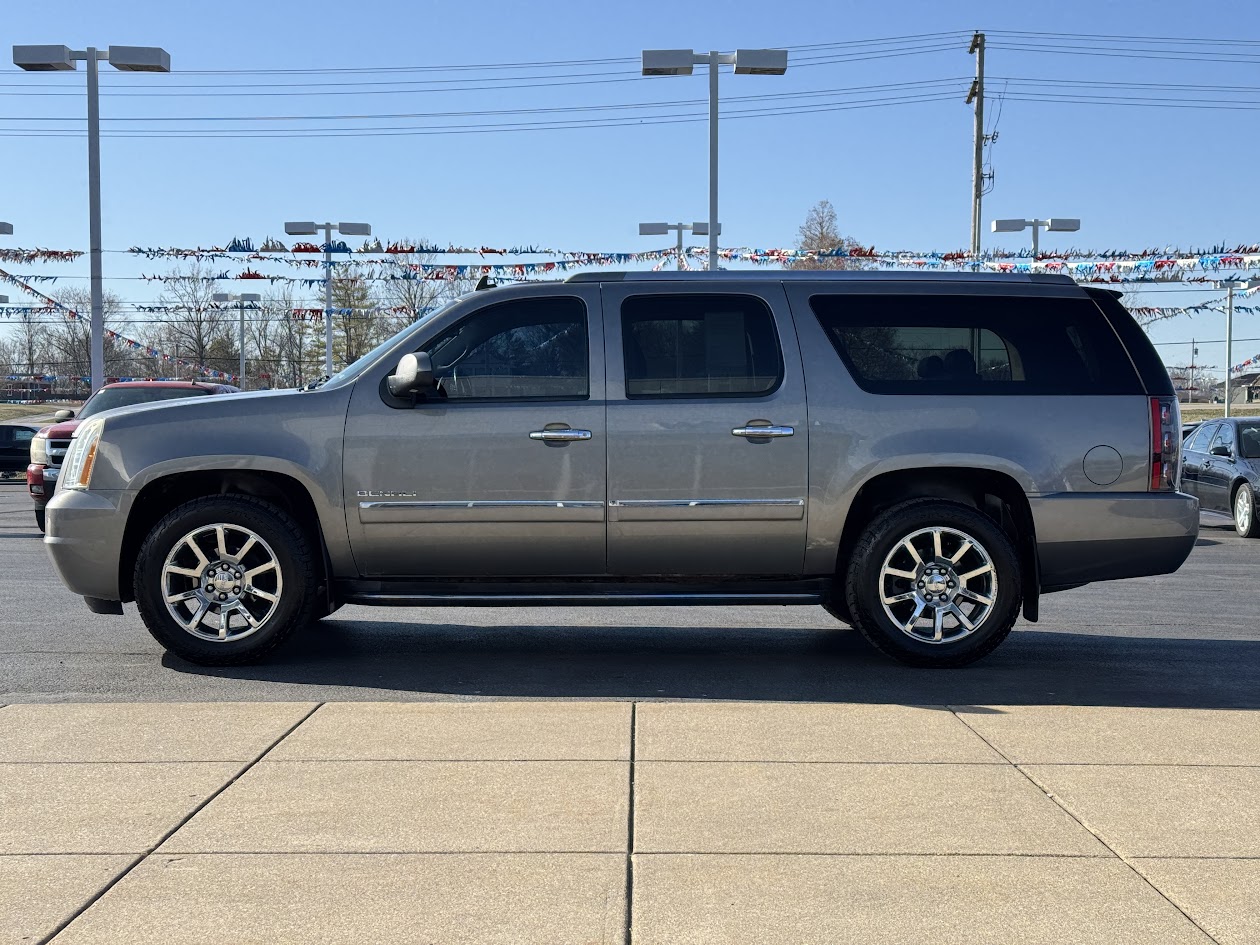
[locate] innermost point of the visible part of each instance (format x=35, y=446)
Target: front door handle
x=566, y=435
x=760, y=431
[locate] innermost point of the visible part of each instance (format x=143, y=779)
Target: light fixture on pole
x=1054, y=225
x=124, y=59
x=308, y=228
x=683, y=62
x=662, y=229
x=1231, y=285
x=251, y=297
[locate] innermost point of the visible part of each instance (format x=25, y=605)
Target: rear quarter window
x=974, y=345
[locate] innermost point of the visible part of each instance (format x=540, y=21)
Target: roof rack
x=821, y=275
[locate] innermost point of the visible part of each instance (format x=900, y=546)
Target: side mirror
x=1221, y=451
x=64, y=415
x=413, y=374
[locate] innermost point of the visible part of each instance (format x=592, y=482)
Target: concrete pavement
x=614, y=821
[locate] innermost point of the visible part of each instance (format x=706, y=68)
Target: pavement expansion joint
x=1096, y=834
x=170, y=833
x=634, y=712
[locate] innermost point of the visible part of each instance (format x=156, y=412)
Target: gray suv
x=923, y=455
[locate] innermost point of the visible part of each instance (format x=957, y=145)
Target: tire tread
x=874, y=533
x=299, y=547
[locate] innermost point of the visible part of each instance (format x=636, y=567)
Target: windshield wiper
x=314, y=384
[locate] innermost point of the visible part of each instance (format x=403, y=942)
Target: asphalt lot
x=1186, y=640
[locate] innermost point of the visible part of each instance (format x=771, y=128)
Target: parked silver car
x=924, y=455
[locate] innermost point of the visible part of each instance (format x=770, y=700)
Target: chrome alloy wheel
x=938, y=585
x=221, y=582
x=1242, y=511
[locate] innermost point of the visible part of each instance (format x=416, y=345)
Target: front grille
x=57, y=451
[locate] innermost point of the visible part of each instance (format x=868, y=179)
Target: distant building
x=1245, y=388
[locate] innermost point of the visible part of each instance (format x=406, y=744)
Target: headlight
x=77, y=471
x=39, y=448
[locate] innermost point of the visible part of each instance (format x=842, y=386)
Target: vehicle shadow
x=402, y=661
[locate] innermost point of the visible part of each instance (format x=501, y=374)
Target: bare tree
x=291, y=338
x=198, y=329
x=821, y=234
x=30, y=346
x=407, y=300
x=69, y=339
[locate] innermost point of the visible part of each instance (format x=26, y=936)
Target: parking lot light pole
x=6, y=229
x=308, y=228
x=662, y=229
x=1230, y=285
x=125, y=59
x=683, y=62
x=1054, y=225
x=253, y=298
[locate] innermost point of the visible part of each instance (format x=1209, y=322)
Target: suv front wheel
x=224, y=580
x=934, y=583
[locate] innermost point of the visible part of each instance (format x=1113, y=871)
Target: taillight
x=1165, y=444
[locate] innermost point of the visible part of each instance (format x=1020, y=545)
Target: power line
x=537, y=64
x=671, y=103
x=1126, y=38
x=426, y=85
x=1122, y=53
x=568, y=124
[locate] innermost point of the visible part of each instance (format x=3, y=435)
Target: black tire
x=41, y=518
x=1245, y=523
x=864, y=583
x=291, y=548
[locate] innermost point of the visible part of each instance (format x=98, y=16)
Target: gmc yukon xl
x=924, y=455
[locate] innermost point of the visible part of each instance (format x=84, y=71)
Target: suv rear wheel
x=224, y=580
x=934, y=583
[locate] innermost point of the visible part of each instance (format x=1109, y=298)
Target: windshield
x=354, y=369
x=1249, y=439
x=107, y=398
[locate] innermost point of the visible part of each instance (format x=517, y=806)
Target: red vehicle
x=50, y=444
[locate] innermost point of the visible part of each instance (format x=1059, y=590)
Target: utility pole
x=1194, y=350
x=976, y=96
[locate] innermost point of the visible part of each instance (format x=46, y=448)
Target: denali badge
x=384, y=494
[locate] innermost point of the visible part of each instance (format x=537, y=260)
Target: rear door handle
x=560, y=436
x=760, y=431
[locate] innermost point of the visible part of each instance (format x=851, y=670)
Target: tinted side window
x=21, y=435
x=957, y=344
x=1249, y=439
x=699, y=346
x=529, y=349
x=1201, y=437
x=1224, y=436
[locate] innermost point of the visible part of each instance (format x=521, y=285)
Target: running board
x=579, y=593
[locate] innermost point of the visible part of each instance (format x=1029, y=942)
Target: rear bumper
x=83, y=538
x=1084, y=537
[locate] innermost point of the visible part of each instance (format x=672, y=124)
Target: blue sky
x=899, y=176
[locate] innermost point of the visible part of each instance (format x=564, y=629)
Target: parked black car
x=1221, y=465
x=15, y=446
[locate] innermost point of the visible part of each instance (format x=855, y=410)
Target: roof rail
x=822, y=275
